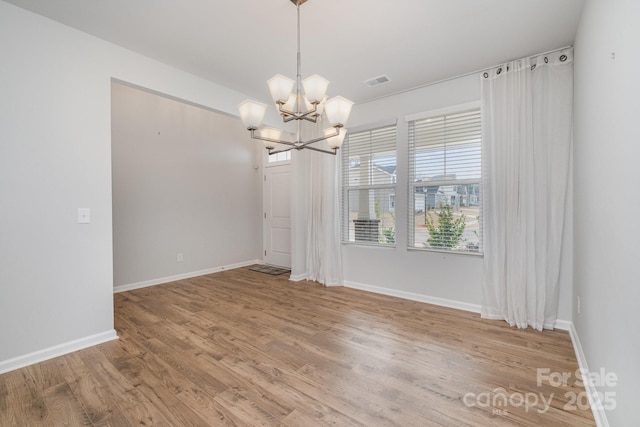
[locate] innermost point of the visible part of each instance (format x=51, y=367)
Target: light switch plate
x=84, y=215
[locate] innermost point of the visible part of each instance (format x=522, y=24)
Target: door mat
x=270, y=269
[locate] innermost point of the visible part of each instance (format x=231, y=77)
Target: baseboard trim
x=56, y=350
x=592, y=393
x=474, y=308
x=563, y=325
x=301, y=277
x=161, y=280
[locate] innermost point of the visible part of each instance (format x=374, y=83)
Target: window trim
x=454, y=109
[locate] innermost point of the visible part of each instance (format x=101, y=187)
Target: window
x=368, y=187
x=444, y=182
x=280, y=157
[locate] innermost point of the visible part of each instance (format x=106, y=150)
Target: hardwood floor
x=245, y=348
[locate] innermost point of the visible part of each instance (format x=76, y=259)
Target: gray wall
x=183, y=182
x=606, y=203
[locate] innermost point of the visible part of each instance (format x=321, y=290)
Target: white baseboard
x=161, y=280
x=594, y=398
x=56, y=350
x=474, y=308
x=300, y=277
x=563, y=325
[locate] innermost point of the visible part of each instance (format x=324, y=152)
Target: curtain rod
x=460, y=75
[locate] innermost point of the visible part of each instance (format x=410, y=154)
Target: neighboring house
x=383, y=172
x=432, y=196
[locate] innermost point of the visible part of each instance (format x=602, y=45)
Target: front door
x=277, y=214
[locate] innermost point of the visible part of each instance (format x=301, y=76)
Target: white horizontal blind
x=368, y=186
x=445, y=172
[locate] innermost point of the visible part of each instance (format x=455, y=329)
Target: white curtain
x=527, y=140
x=318, y=198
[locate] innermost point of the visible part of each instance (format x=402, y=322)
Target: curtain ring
x=563, y=58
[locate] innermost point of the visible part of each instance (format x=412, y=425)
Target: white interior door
x=277, y=215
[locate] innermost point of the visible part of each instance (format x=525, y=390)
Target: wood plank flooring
x=241, y=348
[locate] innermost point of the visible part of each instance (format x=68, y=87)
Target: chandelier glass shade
x=298, y=100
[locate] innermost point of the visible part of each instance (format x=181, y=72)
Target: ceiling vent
x=377, y=80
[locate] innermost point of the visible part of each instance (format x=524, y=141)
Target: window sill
x=441, y=251
x=369, y=245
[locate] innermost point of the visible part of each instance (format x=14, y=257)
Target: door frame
x=266, y=228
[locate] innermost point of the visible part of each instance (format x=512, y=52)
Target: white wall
x=185, y=180
x=56, y=278
x=453, y=277
x=606, y=202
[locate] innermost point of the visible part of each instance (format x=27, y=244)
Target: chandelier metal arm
x=313, y=119
x=297, y=115
x=332, y=151
x=321, y=138
x=271, y=151
x=299, y=145
x=277, y=141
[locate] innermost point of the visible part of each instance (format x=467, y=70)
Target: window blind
x=368, y=183
x=445, y=172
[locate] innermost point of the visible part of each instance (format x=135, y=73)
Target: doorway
x=277, y=213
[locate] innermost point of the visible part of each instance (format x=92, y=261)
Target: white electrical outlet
x=179, y=257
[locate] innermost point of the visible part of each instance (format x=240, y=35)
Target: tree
x=447, y=232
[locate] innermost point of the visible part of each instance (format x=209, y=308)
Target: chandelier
x=298, y=100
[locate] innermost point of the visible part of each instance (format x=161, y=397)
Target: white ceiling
x=241, y=44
